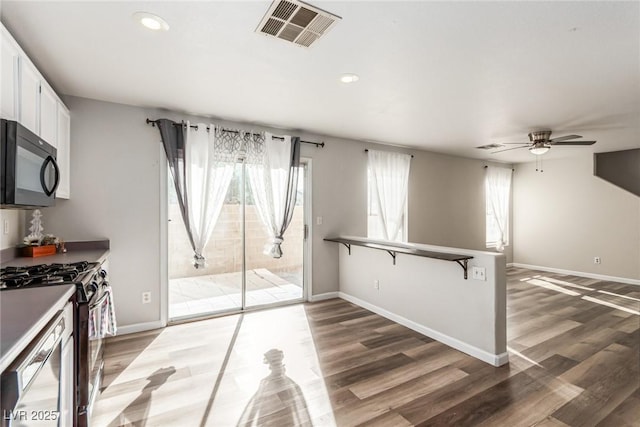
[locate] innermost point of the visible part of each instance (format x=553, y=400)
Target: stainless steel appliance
x=30, y=174
x=38, y=387
x=90, y=280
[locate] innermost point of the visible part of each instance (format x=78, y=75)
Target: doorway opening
x=238, y=275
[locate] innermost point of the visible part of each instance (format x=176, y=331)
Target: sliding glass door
x=237, y=275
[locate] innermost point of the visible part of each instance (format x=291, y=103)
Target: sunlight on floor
x=551, y=286
x=616, y=301
x=612, y=305
x=228, y=371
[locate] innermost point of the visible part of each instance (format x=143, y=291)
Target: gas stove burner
x=79, y=266
x=43, y=274
x=14, y=280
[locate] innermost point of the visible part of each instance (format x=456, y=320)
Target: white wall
x=432, y=296
x=15, y=219
x=115, y=186
x=565, y=216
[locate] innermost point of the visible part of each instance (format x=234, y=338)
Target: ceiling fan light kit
x=538, y=151
x=540, y=142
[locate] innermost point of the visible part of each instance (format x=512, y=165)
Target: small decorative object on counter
x=36, y=229
x=37, y=244
x=60, y=245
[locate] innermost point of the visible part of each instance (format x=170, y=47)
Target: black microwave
x=30, y=174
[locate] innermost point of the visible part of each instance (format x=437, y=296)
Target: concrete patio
x=201, y=295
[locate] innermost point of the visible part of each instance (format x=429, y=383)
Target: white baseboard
x=324, y=296
x=492, y=359
x=139, y=327
x=577, y=273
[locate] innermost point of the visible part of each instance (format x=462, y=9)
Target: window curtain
x=390, y=185
x=498, y=189
x=274, y=182
x=202, y=169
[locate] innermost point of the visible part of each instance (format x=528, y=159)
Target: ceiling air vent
x=296, y=22
x=490, y=146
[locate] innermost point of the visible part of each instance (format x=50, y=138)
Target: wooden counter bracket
x=392, y=250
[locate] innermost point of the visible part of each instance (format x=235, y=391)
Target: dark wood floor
x=574, y=347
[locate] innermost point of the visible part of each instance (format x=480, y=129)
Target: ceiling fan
x=540, y=142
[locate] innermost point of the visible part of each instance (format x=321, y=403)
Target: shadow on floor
x=278, y=401
x=137, y=343
x=137, y=412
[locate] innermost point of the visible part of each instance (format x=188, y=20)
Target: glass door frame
x=305, y=164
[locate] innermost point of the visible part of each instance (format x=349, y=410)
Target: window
x=497, y=187
x=387, y=182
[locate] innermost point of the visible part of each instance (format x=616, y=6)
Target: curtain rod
x=317, y=144
x=366, y=150
x=486, y=166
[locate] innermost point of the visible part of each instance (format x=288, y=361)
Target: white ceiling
x=442, y=76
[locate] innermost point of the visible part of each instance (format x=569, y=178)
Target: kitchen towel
x=108, y=314
x=102, y=318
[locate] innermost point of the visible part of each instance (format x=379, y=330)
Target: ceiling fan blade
x=513, y=143
x=573, y=143
x=507, y=149
x=564, y=138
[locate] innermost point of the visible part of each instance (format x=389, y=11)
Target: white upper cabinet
x=29, y=96
x=48, y=114
x=9, y=73
x=63, y=158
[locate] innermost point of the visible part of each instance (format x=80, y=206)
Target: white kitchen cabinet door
x=9, y=72
x=48, y=114
x=29, y=96
x=64, y=152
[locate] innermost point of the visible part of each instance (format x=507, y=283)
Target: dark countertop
x=24, y=313
x=93, y=251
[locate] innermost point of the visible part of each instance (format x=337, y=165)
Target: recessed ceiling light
x=151, y=21
x=349, y=78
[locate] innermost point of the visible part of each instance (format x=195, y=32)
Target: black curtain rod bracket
x=317, y=144
x=366, y=150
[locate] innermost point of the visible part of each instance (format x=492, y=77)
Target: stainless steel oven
x=96, y=342
x=90, y=344
x=85, y=317
x=29, y=173
x=38, y=387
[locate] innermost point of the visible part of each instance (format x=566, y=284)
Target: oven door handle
x=98, y=303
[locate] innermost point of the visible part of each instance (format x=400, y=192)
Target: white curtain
x=498, y=189
x=274, y=182
x=208, y=174
x=390, y=184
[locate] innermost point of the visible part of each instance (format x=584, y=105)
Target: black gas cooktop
x=44, y=274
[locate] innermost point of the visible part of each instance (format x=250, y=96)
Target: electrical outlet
x=146, y=297
x=376, y=284
x=478, y=273
x=597, y=260
x=5, y=227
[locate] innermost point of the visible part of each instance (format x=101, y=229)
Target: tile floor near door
x=201, y=295
x=574, y=348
